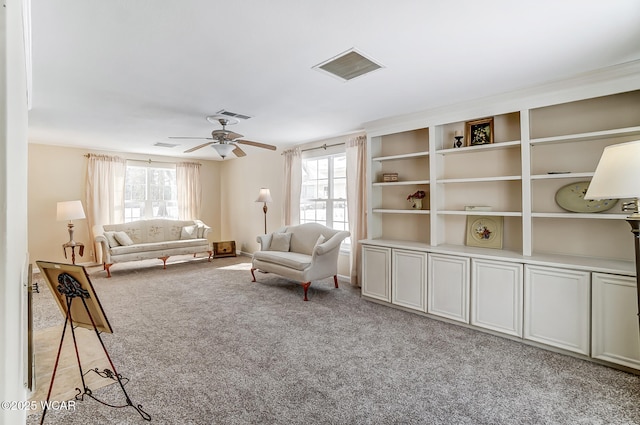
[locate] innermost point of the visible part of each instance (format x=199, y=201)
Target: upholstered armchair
x=304, y=253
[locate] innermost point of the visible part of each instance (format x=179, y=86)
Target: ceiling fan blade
x=256, y=144
x=239, y=152
x=198, y=147
x=196, y=138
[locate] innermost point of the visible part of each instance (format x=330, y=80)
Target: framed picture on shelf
x=479, y=132
x=484, y=231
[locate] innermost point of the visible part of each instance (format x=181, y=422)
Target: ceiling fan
x=225, y=141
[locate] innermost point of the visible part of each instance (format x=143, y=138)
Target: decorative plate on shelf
x=571, y=198
x=484, y=231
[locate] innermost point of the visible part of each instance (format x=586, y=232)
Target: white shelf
x=403, y=156
x=480, y=179
x=480, y=148
x=399, y=211
x=487, y=213
x=584, y=137
x=586, y=175
x=579, y=216
x=401, y=183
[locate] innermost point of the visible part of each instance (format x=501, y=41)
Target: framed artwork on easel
x=58, y=275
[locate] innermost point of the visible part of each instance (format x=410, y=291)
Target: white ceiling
x=121, y=75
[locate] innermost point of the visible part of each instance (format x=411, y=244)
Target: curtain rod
x=147, y=160
x=324, y=146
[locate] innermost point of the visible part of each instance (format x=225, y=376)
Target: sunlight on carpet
x=46, y=343
x=240, y=266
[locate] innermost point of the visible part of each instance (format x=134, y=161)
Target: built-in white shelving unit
x=547, y=252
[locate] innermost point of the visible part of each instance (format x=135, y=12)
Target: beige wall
x=242, y=217
x=58, y=174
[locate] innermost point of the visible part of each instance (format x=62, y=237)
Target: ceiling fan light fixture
x=223, y=149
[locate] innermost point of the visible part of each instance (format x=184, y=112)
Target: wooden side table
x=73, y=246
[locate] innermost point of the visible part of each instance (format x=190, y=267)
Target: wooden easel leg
x=55, y=367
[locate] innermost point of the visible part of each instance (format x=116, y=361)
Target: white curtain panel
x=356, y=199
x=189, y=190
x=105, y=193
x=292, y=186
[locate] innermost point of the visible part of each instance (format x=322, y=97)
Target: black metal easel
x=71, y=289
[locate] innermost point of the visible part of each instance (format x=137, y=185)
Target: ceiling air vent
x=166, y=145
x=348, y=65
x=232, y=114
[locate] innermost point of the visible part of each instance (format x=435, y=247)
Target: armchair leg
x=305, y=286
x=253, y=275
x=210, y=255
x=335, y=280
x=164, y=261
x=107, y=267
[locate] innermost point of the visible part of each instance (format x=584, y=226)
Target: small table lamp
x=617, y=176
x=71, y=210
x=264, y=197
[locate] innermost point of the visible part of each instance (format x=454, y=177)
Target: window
x=150, y=192
x=323, y=198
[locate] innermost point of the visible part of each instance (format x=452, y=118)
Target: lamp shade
x=264, y=196
x=617, y=175
x=223, y=149
x=70, y=210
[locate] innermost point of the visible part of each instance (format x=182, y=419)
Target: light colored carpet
x=202, y=344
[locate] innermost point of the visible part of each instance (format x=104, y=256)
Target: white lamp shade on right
x=617, y=175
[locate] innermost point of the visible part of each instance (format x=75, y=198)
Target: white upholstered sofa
x=147, y=239
x=305, y=252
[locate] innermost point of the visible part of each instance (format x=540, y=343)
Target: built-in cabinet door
x=557, y=307
x=448, y=287
x=614, y=321
x=376, y=272
x=409, y=277
x=496, y=296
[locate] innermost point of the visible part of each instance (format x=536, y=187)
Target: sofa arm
x=333, y=243
x=264, y=241
x=101, y=243
x=207, y=229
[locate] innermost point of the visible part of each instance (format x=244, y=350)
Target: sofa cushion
x=189, y=232
x=122, y=238
x=280, y=242
x=304, y=239
x=111, y=239
x=158, y=246
x=291, y=260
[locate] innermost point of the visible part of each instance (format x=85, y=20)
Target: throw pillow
x=280, y=242
x=189, y=232
x=123, y=239
x=111, y=238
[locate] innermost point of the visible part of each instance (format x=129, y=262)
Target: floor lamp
x=617, y=176
x=264, y=197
